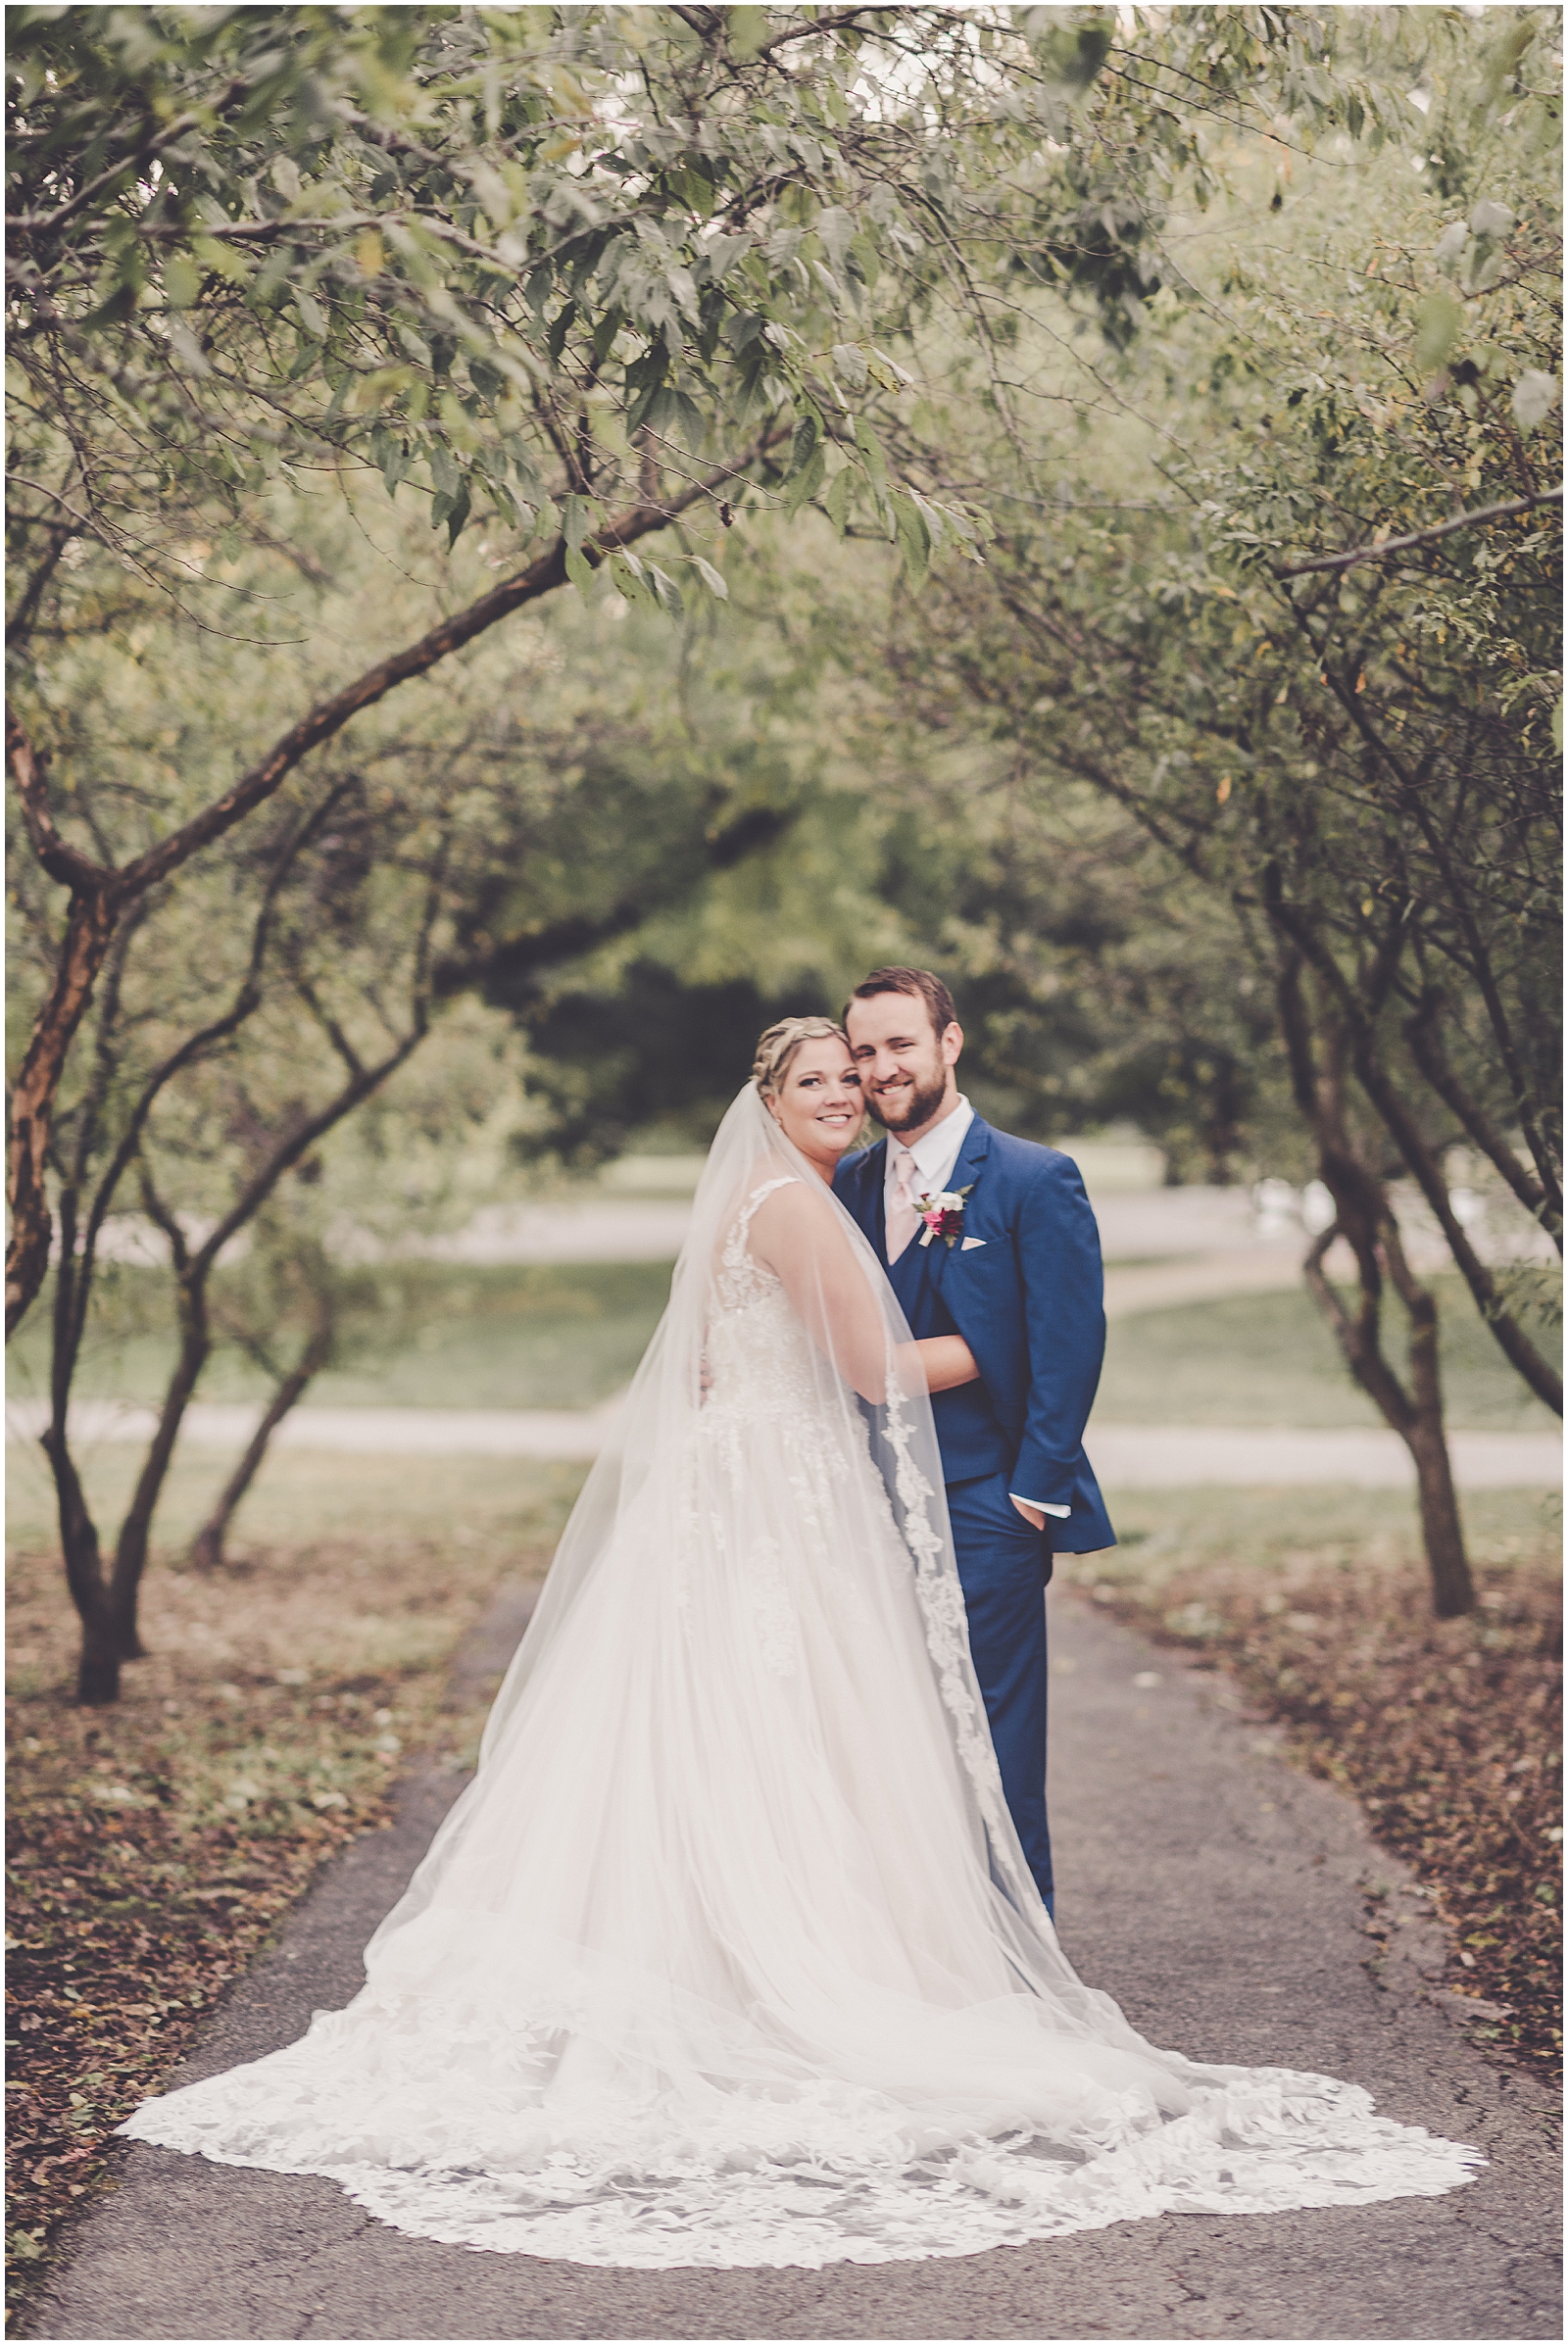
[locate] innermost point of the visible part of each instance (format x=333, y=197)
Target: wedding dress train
x=728, y=1955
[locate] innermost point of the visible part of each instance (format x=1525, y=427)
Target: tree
x=1325, y=693
x=536, y=263
x=246, y=1016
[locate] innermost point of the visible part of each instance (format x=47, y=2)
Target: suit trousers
x=1003, y=1565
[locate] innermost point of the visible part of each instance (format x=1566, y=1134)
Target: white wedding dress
x=729, y=1955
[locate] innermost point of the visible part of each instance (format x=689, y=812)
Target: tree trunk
x=131, y=1548
x=98, y=1670
x=1453, y=1590
x=89, y=931
x=1319, y=1062
x=98, y=1667
x=207, y=1553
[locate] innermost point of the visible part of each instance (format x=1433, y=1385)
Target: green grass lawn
x=524, y=1336
x=1270, y=1359
x=1324, y=1523
x=445, y=1336
x=304, y=1496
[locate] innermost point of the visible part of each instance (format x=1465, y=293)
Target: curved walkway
x=1125, y=1456
x=1222, y=1897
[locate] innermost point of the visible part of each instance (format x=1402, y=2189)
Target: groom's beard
x=911, y=1107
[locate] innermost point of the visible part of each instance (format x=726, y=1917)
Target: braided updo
x=778, y=1046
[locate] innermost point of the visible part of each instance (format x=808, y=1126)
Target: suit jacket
x=1028, y=1299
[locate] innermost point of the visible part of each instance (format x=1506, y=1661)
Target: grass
x=1270, y=1359
x=440, y=1336
x=544, y=1336
x=153, y=1848
x=1448, y=1733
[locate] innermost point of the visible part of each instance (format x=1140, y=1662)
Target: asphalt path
x=1223, y=1897
x=1126, y=1457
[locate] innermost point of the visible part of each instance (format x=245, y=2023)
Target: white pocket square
x=968, y=1242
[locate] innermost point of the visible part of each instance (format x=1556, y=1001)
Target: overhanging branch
x=1421, y=537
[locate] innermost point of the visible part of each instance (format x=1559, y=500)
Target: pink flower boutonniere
x=943, y=1215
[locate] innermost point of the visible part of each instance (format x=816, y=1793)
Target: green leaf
x=666, y=590
x=915, y=540
x=808, y=434
x=310, y=313
x=576, y=518
x=836, y=504
x=182, y=280
x=1439, y=323
x=458, y=515
x=870, y=447
x=807, y=482
x=626, y=575
x=579, y=569
x=1556, y=729
x=849, y=364
x=1535, y=394
x=691, y=420
x=712, y=579
x=744, y=29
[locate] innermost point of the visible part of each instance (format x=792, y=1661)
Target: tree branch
x=1420, y=537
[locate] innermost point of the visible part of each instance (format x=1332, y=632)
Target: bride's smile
x=820, y=1103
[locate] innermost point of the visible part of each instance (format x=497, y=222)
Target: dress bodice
x=760, y=1358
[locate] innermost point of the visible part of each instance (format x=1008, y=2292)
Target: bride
x=729, y=1954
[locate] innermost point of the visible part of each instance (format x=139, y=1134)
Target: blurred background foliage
x=1005, y=393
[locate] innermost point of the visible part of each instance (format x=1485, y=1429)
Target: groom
x=1021, y=1283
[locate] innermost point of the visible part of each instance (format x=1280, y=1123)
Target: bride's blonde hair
x=778, y=1046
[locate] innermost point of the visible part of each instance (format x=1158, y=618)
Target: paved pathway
x=1125, y=1456
x=1215, y=1892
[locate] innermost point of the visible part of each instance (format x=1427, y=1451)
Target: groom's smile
x=905, y=1065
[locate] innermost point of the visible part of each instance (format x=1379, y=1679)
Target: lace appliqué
x=946, y=1625
x=771, y=1608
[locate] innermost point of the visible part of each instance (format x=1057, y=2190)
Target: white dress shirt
x=935, y=1155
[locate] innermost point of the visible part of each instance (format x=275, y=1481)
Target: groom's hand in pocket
x=1032, y=1515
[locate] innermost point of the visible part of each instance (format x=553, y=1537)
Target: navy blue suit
x=1028, y=1301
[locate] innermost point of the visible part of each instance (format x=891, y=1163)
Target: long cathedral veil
x=638, y=1489
x=728, y=1954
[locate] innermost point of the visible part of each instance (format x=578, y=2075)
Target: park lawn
x=442, y=1336
x=1447, y=1732
x=1271, y=1359
x=153, y=1847
x=549, y=1335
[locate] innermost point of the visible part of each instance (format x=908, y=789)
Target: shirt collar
x=936, y=1151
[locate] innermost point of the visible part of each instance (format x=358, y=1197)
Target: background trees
x=564, y=270
x=1324, y=692
x=983, y=491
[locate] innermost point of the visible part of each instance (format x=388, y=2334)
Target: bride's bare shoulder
x=789, y=1211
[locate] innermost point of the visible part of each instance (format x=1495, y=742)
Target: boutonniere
x=943, y=1215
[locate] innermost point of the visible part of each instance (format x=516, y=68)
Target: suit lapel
x=967, y=1173
x=869, y=1203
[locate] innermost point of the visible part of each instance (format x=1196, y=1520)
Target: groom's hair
x=919, y=981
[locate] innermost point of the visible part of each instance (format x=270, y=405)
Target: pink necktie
x=902, y=1220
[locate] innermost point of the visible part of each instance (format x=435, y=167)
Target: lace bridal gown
x=728, y=1955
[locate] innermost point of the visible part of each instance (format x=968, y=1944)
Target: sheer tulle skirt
x=712, y=1963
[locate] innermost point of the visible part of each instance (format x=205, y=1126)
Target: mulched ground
x=1448, y=1733
x=125, y=1924
x=153, y=1848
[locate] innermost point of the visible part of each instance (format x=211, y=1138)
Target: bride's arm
x=942, y=1361
x=800, y=1236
